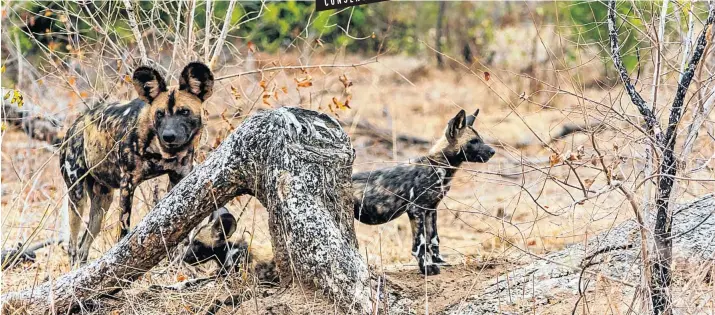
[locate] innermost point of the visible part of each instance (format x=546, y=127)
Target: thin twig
x=281, y=68
x=135, y=30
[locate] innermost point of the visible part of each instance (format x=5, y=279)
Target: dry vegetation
x=529, y=200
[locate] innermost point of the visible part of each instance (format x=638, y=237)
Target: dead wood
x=608, y=257
x=297, y=163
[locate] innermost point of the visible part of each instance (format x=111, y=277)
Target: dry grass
x=487, y=222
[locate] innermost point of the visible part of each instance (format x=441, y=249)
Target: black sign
x=322, y=5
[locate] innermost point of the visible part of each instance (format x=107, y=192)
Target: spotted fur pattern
x=120, y=145
x=210, y=242
x=417, y=187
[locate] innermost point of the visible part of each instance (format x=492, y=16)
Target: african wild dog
x=210, y=242
x=418, y=187
x=118, y=146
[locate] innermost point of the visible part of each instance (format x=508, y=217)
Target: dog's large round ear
x=223, y=227
x=148, y=83
x=472, y=118
x=456, y=124
x=197, y=79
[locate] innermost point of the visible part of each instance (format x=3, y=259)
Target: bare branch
x=135, y=30
x=280, y=68
x=643, y=108
x=222, y=36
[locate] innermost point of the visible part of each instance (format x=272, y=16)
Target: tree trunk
x=438, y=36
x=296, y=162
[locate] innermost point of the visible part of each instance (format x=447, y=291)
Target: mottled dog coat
x=210, y=242
x=418, y=187
x=118, y=146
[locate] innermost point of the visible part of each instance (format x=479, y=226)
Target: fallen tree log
x=613, y=255
x=296, y=162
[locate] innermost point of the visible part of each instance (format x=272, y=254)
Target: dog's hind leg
x=77, y=200
x=101, y=200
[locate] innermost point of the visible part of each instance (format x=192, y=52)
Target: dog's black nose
x=168, y=136
x=491, y=152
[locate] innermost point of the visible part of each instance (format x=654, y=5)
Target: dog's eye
x=183, y=112
x=159, y=114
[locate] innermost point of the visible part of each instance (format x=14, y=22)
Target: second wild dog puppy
x=119, y=145
x=210, y=242
x=418, y=187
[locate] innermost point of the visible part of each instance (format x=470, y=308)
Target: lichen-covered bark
x=306, y=190
x=534, y=285
x=298, y=164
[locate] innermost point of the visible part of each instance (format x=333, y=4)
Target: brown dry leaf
x=572, y=156
x=115, y=312
x=346, y=82
x=487, y=76
x=181, y=277
x=587, y=183
x=265, y=99
x=284, y=89
x=319, y=42
x=531, y=242
x=347, y=101
x=304, y=82
x=127, y=78
x=235, y=93
x=48, y=13
x=251, y=47
x=263, y=84
x=338, y=103
x=554, y=159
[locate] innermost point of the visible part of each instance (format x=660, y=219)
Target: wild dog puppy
x=418, y=187
x=210, y=242
x=119, y=145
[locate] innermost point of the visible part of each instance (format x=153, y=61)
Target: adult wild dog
x=418, y=187
x=119, y=145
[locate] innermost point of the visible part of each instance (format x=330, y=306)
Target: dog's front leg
x=433, y=236
x=126, y=194
x=419, y=243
